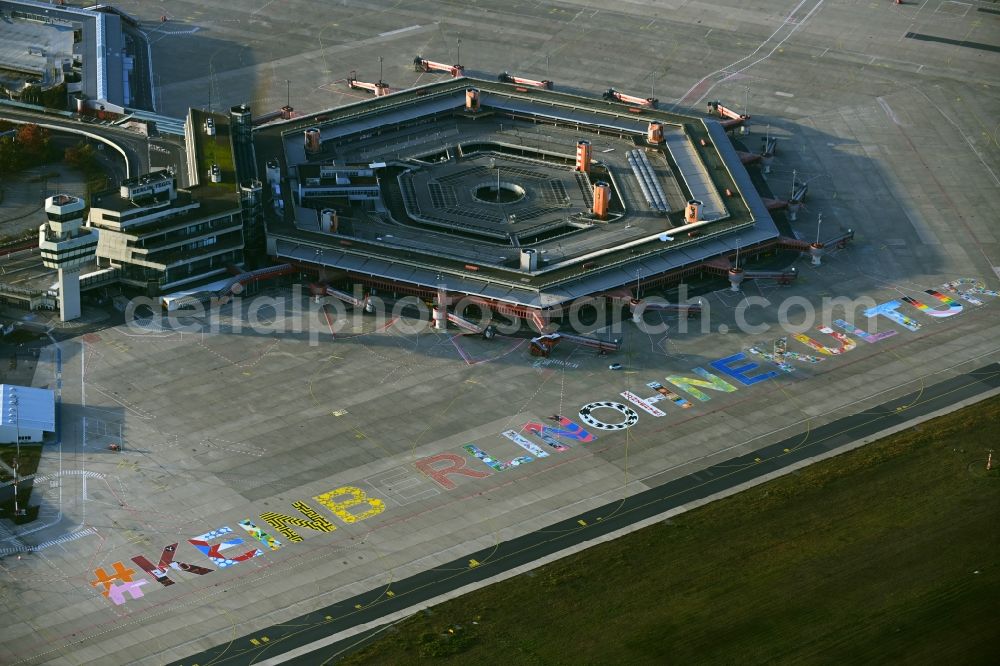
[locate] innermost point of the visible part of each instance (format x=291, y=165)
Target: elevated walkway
x=543, y=344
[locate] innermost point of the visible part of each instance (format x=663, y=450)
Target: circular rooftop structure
x=496, y=196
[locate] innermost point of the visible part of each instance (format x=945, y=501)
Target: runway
x=338, y=628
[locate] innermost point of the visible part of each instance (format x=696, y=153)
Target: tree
x=33, y=143
x=81, y=156
x=10, y=159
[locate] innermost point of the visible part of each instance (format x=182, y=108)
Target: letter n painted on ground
x=708, y=380
x=159, y=573
x=313, y=521
x=439, y=473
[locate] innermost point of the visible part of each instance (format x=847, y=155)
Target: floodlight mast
x=14, y=414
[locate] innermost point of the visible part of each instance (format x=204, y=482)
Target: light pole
x=819, y=221
x=459, y=52
x=12, y=412
x=380, y=69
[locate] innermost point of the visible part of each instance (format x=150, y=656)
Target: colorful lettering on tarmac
x=214, y=551
x=669, y=395
x=890, y=311
x=526, y=444
x=567, y=430
x=708, y=380
x=493, y=463
x=586, y=413
x=954, y=307
x=120, y=572
x=742, y=373
x=312, y=521
x=542, y=432
x=870, y=338
x=780, y=356
x=133, y=587
x=355, y=497
x=642, y=404
x=960, y=287
x=260, y=535
x=159, y=574
x=846, y=343
x=118, y=586
x=458, y=465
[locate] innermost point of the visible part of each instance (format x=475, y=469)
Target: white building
x=26, y=413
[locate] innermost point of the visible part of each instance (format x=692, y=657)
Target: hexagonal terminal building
x=517, y=200
x=66, y=245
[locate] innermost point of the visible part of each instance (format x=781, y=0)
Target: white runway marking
x=888, y=110
x=702, y=87
x=783, y=94
x=396, y=32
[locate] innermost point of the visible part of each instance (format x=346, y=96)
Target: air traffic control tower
x=66, y=245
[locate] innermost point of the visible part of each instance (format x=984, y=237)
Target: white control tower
x=66, y=245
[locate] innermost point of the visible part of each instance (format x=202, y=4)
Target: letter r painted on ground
x=439, y=473
x=159, y=573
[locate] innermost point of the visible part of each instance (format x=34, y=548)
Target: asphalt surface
x=376, y=603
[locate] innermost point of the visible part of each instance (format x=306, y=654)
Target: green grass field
x=889, y=553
